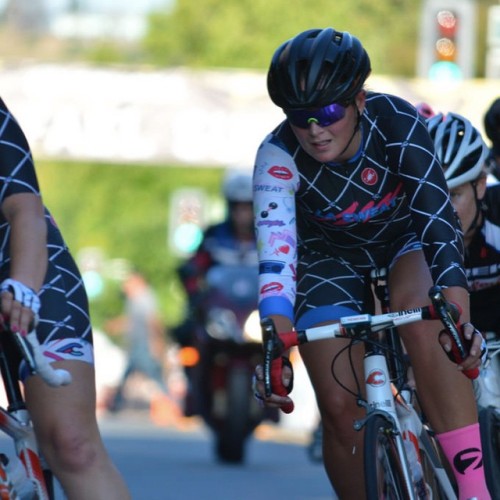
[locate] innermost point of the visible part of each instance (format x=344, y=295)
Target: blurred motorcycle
x=227, y=348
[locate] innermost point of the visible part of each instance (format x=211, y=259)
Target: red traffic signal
x=447, y=24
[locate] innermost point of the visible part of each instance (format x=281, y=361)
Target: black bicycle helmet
x=459, y=147
x=492, y=125
x=316, y=68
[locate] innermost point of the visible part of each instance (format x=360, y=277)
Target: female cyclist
x=40, y=283
x=349, y=182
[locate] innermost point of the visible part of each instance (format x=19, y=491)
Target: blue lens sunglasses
x=325, y=116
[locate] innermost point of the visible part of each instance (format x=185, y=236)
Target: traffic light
x=188, y=208
x=447, y=40
x=446, y=64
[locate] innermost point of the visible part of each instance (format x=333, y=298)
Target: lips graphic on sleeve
x=272, y=287
x=280, y=172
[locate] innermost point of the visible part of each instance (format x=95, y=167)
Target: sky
x=104, y=6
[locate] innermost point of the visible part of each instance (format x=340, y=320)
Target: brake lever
x=270, y=340
x=448, y=314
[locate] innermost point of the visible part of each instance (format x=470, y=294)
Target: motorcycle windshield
x=237, y=285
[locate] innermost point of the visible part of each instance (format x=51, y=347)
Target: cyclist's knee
x=338, y=413
x=71, y=450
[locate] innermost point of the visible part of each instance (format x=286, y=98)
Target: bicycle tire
x=489, y=424
x=384, y=477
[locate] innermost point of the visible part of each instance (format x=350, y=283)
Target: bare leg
x=66, y=427
x=342, y=445
x=446, y=394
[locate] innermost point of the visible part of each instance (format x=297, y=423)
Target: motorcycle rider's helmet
x=459, y=148
x=492, y=125
x=316, y=68
x=237, y=187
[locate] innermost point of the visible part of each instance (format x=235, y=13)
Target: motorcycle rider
x=230, y=242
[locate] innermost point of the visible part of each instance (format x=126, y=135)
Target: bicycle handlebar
x=359, y=326
x=32, y=353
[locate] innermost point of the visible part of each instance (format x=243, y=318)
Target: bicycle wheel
x=489, y=424
x=383, y=466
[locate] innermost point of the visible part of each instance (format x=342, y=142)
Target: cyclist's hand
x=473, y=342
x=275, y=400
x=19, y=306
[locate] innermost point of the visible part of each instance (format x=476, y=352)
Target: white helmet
x=459, y=147
x=238, y=186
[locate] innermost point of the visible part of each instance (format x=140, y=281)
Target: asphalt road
x=169, y=463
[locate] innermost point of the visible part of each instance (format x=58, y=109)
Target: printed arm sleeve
x=275, y=185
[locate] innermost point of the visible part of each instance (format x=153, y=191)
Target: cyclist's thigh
x=326, y=281
x=409, y=281
x=327, y=289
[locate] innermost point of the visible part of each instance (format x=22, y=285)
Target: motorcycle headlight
x=251, y=330
x=222, y=324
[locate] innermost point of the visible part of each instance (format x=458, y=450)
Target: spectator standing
x=145, y=343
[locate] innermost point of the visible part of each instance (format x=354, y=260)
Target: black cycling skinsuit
x=322, y=227
x=64, y=326
x=482, y=262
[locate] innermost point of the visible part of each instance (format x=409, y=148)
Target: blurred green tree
x=123, y=211
x=244, y=34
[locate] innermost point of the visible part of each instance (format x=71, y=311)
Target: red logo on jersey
x=369, y=176
x=280, y=172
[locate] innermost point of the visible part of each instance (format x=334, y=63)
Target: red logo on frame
x=376, y=378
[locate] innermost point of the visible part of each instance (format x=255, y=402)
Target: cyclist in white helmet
x=464, y=157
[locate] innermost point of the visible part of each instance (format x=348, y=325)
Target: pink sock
x=462, y=448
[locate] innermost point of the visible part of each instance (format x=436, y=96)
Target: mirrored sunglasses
x=328, y=115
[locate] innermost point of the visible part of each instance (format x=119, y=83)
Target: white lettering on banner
x=215, y=136
x=203, y=118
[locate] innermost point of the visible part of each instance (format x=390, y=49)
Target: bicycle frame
x=15, y=420
x=380, y=396
x=383, y=398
